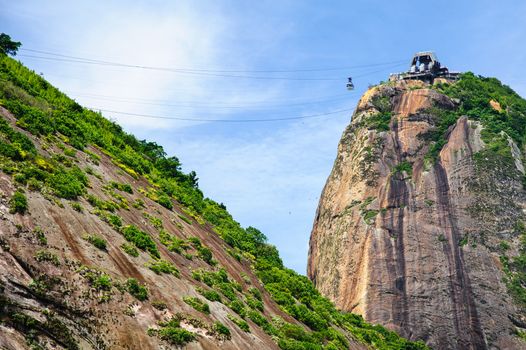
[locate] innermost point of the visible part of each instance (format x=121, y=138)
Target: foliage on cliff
x=45, y=112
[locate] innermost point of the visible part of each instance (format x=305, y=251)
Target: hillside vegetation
x=60, y=123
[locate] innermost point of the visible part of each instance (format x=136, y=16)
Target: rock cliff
x=419, y=225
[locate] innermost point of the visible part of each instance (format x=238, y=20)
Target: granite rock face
x=407, y=238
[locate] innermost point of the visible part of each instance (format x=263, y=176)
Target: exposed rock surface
x=410, y=242
x=70, y=313
x=121, y=322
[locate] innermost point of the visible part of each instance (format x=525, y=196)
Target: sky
x=245, y=60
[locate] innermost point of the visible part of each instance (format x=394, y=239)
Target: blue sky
x=269, y=175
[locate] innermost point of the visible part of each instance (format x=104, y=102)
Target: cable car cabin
x=350, y=85
x=425, y=66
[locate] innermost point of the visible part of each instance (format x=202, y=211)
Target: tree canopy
x=8, y=46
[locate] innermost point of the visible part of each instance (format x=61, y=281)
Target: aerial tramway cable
x=222, y=120
x=196, y=70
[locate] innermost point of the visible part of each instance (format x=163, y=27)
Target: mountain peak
x=426, y=190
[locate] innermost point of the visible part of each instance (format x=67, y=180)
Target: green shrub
x=379, y=121
x=242, y=324
x=41, y=236
x=177, y=245
x=369, y=216
x=196, y=242
x=206, y=254
x=130, y=249
x=141, y=239
x=34, y=184
x=115, y=221
x=138, y=204
x=136, y=289
x=209, y=294
x=165, y=201
x=173, y=243
x=254, y=303
x=255, y=292
x=227, y=289
x=14, y=144
x=238, y=307
x=261, y=321
x=197, y=304
x=18, y=203
x=185, y=219
x=121, y=187
x=101, y=204
x=162, y=266
x=159, y=305
x=155, y=221
x=503, y=246
x=70, y=152
x=97, y=279
x=44, y=255
x=97, y=241
x=68, y=184
x=93, y=157
x=221, y=330
x=401, y=167
x=172, y=332
x=77, y=207
x=102, y=282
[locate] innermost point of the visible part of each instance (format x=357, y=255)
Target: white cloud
x=191, y=35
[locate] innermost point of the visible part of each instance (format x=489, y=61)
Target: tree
x=8, y=46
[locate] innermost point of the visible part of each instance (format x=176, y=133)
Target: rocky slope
x=106, y=244
x=420, y=222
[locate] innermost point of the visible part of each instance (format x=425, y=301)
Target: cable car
x=350, y=85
